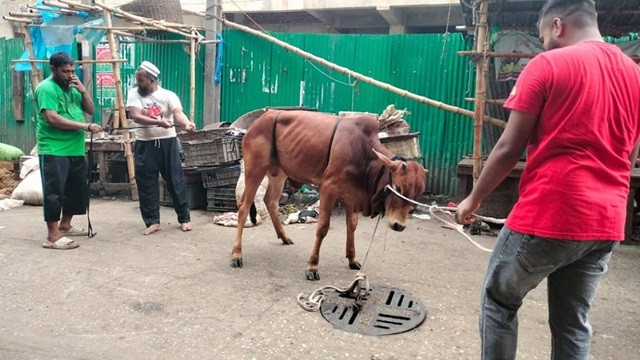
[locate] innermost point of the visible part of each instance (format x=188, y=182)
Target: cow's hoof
x=355, y=266
x=236, y=263
x=313, y=275
x=287, y=242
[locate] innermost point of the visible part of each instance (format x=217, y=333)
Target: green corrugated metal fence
x=258, y=74
x=19, y=133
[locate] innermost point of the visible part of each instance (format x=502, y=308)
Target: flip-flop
x=74, y=232
x=64, y=243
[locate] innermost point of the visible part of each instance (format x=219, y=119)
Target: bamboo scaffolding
x=360, y=77
x=119, y=114
x=145, y=21
x=481, y=88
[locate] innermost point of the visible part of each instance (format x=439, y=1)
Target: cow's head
x=408, y=178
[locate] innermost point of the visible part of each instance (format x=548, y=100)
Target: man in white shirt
x=157, y=149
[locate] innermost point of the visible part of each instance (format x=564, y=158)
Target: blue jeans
x=518, y=264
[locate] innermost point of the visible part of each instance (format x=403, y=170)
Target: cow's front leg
x=327, y=201
x=352, y=223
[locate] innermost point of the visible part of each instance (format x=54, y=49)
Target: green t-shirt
x=68, y=104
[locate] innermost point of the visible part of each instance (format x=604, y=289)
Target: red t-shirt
x=576, y=181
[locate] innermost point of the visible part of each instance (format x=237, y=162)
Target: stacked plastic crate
x=216, y=154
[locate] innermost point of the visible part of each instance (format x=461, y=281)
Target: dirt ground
x=173, y=295
x=7, y=182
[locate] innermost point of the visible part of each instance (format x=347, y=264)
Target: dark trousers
x=160, y=156
x=64, y=186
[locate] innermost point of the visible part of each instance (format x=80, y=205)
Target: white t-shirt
x=160, y=102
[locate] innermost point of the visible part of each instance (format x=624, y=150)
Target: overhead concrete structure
x=352, y=16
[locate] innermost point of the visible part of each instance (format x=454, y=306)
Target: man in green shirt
x=61, y=101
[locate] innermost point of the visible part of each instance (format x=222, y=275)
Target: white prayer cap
x=150, y=68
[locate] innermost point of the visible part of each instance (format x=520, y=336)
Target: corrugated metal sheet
x=20, y=134
x=258, y=74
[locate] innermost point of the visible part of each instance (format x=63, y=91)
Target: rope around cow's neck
x=314, y=301
x=455, y=226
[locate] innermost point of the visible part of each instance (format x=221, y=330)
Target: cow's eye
x=398, y=189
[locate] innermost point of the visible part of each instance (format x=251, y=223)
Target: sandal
x=74, y=232
x=64, y=243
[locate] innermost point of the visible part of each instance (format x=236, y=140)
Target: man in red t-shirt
x=575, y=108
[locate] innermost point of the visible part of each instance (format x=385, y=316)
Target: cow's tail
x=253, y=212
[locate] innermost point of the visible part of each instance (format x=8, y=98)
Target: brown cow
x=344, y=157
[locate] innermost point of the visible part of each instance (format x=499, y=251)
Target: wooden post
x=35, y=73
x=119, y=115
x=481, y=89
x=213, y=26
x=192, y=90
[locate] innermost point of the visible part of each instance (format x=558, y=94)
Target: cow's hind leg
x=352, y=223
x=252, y=179
x=271, y=199
x=327, y=202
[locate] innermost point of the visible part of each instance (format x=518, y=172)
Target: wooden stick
x=153, y=23
x=192, y=70
x=119, y=110
x=168, y=24
x=366, y=79
x=481, y=88
x=75, y=61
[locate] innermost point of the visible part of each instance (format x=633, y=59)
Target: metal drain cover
x=386, y=310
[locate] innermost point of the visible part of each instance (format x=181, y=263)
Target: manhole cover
x=386, y=310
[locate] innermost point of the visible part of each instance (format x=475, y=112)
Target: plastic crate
x=220, y=176
x=222, y=199
x=212, y=152
x=196, y=194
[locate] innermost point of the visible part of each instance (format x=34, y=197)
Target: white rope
x=314, y=301
x=455, y=226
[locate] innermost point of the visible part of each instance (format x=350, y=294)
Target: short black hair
x=60, y=58
x=580, y=12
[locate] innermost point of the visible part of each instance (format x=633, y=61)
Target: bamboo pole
x=119, y=115
x=24, y=14
x=35, y=73
x=365, y=79
x=72, y=5
x=481, y=88
x=76, y=61
x=488, y=101
x=192, y=71
x=15, y=19
x=145, y=21
x=498, y=54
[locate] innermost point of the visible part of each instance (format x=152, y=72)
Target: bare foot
x=151, y=229
x=185, y=226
